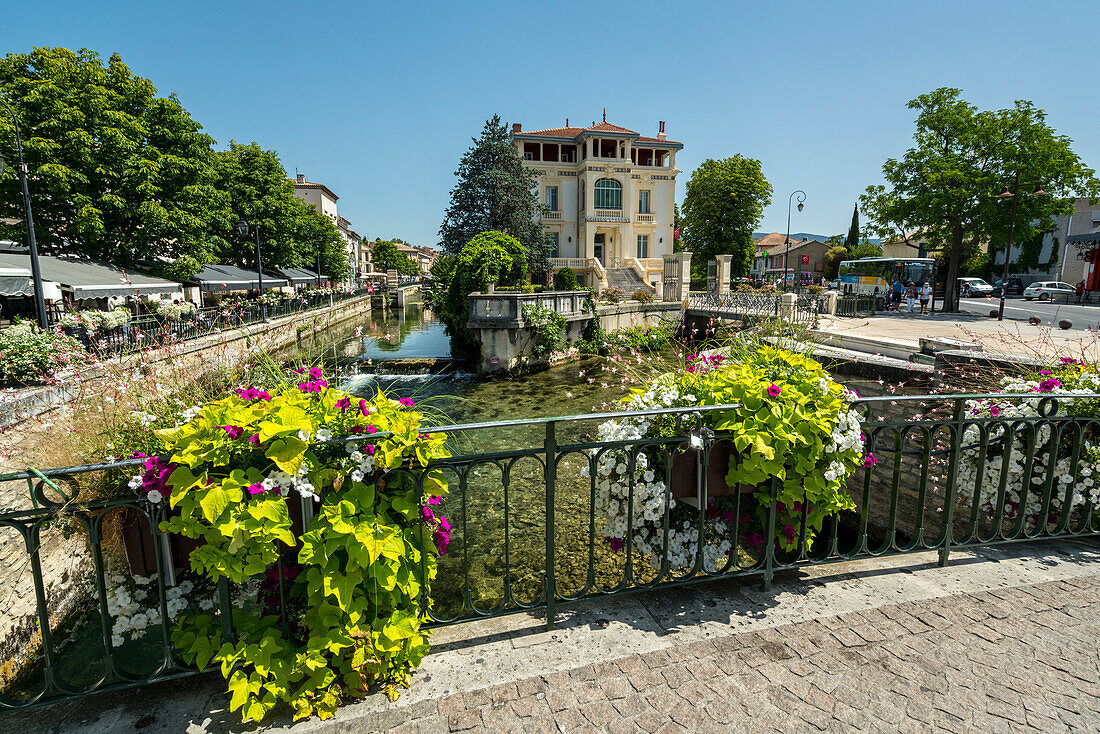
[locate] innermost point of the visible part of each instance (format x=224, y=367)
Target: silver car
x=1046, y=290
x=971, y=287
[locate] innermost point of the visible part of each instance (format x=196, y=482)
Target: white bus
x=873, y=276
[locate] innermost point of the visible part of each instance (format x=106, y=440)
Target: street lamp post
x=32, y=246
x=318, y=265
x=1011, y=194
x=787, y=239
x=242, y=227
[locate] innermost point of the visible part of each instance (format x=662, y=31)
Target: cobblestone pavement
x=1010, y=660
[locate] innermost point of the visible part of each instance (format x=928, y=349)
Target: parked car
x=1015, y=287
x=1045, y=290
x=971, y=287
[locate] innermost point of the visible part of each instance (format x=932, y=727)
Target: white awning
x=15, y=282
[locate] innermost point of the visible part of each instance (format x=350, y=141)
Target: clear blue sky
x=378, y=100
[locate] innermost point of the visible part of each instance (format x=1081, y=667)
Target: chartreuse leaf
x=287, y=453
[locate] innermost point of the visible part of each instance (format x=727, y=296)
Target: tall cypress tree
x=495, y=191
x=853, y=231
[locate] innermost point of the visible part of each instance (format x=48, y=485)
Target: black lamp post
x=242, y=227
x=32, y=246
x=787, y=239
x=318, y=265
x=1007, y=193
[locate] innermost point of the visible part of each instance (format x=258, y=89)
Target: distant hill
x=797, y=236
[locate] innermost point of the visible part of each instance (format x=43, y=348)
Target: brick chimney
x=661, y=132
x=517, y=127
x=301, y=178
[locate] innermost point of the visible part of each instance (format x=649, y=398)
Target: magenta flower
x=363, y=409
x=433, y=499
x=994, y=411
x=372, y=429
x=1045, y=373
x=1049, y=384
x=357, y=429
x=343, y=403
x=368, y=448
x=407, y=402
x=615, y=543
x=869, y=461
x=233, y=431
x=1069, y=360
x=254, y=439
x=774, y=390
x=315, y=373
x=255, y=489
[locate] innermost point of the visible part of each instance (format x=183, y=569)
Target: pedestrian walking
x=925, y=296
x=910, y=297
x=1080, y=288
x=897, y=289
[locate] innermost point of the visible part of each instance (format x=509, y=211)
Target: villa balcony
x=608, y=215
x=551, y=216
x=644, y=218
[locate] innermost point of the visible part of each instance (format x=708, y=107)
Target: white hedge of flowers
x=174, y=310
x=1083, y=484
x=133, y=603
x=96, y=320
x=650, y=495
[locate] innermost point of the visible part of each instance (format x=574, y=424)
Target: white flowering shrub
x=176, y=311
x=1025, y=486
x=794, y=423
x=97, y=320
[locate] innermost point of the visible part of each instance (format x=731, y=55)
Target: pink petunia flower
x=774, y=390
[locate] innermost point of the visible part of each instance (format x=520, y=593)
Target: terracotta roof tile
x=657, y=141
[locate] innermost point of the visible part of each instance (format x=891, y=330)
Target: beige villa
x=610, y=193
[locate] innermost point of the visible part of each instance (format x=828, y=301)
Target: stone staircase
x=626, y=280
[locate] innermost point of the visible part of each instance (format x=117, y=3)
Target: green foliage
x=291, y=231
x=724, y=203
x=978, y=265
x=548, y=327
x=490, y=258
x=117, y=173
x=565, y=280
x=355, y=585
x=386, y=256
x=443, y=272
x=832, y=259
x=866, y=249
x=642, y=296
x=495, y=192
x=787, y=435
x=29, y=355
x=947, y=183
x=641, y=338
x=853, y=230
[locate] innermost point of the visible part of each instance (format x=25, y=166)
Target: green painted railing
x=528, y=531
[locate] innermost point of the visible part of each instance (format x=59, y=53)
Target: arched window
x=609, y=194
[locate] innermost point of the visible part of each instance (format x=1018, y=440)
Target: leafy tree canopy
x=495, y=192
x=723, y=206
x=490, y=258
x=116, y=172
x=947, y=183
x=291, y=231
x=865, y=249
x=386, y=256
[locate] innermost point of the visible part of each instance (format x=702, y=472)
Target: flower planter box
x=685, y=472
x=137, y=536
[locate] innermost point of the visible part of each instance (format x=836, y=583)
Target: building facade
x=321, y=198
x=803, y=256
x=1078, y=235
x=610, y=195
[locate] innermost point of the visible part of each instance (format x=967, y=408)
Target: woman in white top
x=925, y=297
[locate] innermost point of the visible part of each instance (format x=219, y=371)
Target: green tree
x=385, y=256
x=117, y=172
x=865, y=249
x=831, y=261
x=724, y=203
x=947, y=183
x=853, y=231
x=490, y=258
x=495, y=192
x=291, y=231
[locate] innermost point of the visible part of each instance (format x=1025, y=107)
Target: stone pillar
x=677, y=276
x=787, y=303
x=830, y=302
x=723, y=280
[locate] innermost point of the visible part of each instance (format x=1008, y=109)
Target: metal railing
x=153, y=330
x=854, y=305
x=528, y=522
